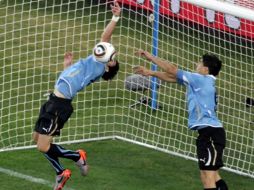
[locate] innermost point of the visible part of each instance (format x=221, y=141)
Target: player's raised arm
x=161, y=75
x=164, y=65
x=116, y=10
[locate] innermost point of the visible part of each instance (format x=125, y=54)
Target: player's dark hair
x=111, y=73
x=213, y=63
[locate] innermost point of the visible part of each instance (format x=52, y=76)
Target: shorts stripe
x=209, y=158
x=215, y=154
x=56, y=125
x=52, y=121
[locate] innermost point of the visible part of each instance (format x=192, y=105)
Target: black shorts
x=210, y=145
x=53, y=114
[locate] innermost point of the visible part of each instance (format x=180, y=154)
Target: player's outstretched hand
x=116, y=9
x=141, y=70
x=145, y=54
x=68, y=58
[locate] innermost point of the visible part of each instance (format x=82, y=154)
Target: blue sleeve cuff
x=179, y=76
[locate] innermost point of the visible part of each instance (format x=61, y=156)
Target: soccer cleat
x=82, y=163
x=62, y=179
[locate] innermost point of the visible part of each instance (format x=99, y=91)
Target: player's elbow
x=170, y=78
x=172, y=70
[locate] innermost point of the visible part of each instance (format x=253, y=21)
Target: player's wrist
x=115, y=18
x=149, y=58
x=151, y=73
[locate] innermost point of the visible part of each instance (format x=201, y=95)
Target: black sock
x=55, y=163
x=58, y=151
x=221, y=185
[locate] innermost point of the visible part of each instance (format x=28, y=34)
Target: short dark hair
x=213, y=63
x=111, y=73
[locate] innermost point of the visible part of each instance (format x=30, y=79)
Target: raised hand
x=116, y=9
x=145, y=54
x=68, y=58
x=141, y=70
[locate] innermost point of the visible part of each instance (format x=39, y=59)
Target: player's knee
x=35, y=137
x=42, y=147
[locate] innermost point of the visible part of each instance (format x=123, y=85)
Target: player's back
x=79, y=75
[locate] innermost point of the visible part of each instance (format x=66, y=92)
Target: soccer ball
x=104, y=52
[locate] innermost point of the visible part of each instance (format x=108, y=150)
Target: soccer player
x=202, y=103
x=57, y=110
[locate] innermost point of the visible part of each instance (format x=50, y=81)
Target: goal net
x=34, y=35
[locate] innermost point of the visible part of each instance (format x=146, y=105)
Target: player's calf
x=221, y=185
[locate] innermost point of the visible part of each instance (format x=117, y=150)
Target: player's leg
x=35, y=136
x=46, y=127
x=219, y=141
x=44, y=145
x=220, y=183
x=43, y=142
x=208, y=179
x=79, y=156
x=53, y=114
x=53, y=151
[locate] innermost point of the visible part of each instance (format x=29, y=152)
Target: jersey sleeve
x=185, y=78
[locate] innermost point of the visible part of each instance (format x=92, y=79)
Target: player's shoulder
x=188, y=73
x=211, y=77
x=89, y=58
x=198, y=75
x=85, y=60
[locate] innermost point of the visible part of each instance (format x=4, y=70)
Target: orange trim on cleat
x=82, y=154
x=82, y=163
x=62, y=179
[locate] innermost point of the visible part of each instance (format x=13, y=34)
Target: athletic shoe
x=62, y=179
x=82, y=163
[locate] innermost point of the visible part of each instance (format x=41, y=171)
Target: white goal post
x=225, y=7
x=34, y=35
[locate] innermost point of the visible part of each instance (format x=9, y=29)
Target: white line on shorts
x=29, y=178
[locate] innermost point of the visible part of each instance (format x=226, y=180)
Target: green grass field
x=33, y=38
x=113, y=166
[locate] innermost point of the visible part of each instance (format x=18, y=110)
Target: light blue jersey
x=202, y=99
x=79, y=75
